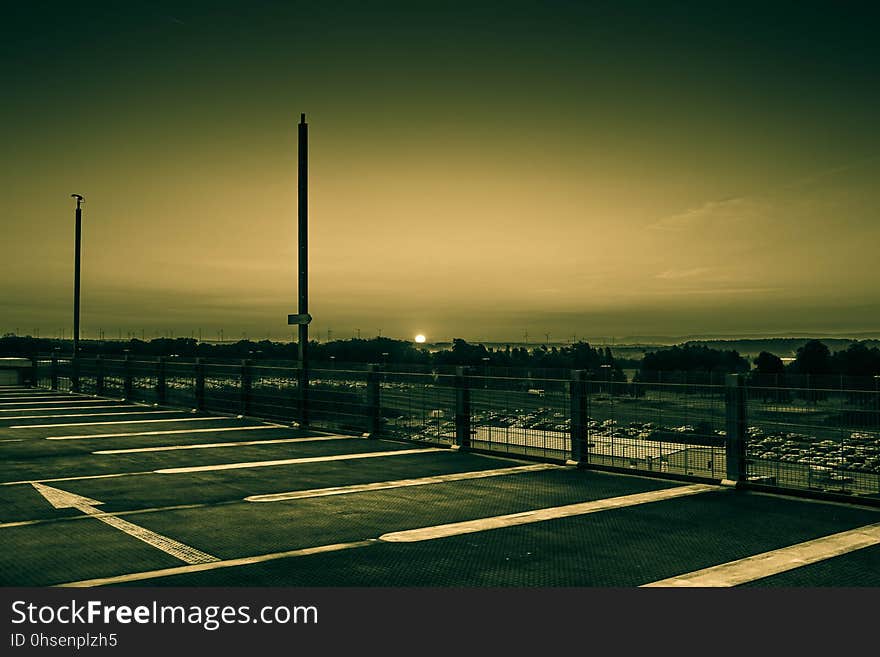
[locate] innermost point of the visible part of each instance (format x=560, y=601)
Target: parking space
x=164, y=496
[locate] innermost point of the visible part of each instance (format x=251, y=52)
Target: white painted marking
x=155, y=509
x=160, y=433
x=221, y=467
x=30, y=395
x=61, y=499
x=46, y=417
x=540, y=515
x=95, y=424
x=307, y=459
x=60, y=401
x=228, y=563
x=247, y=443
x=75, y=478
x=773, y=562
x=12, y=440
x=400, y=483
x=66, y=408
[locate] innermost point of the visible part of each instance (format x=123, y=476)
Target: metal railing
x=751, y=430
x=817, y=438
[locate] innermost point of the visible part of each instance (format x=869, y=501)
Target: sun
x=420, y=338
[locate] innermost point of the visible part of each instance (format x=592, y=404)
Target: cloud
x=710, y=214
x=832, y=172
x=674, y=274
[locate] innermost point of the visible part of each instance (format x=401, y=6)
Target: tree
x=813, y=358
x=857, y=360
x=767, y=363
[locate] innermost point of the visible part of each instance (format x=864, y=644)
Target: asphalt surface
x=106, y=498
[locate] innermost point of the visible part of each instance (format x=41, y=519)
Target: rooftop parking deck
x=97, y=491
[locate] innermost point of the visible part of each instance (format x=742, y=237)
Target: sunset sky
x=478, y=170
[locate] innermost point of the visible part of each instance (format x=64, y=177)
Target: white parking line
x=540, y=515
x=75, y=478
x=60, y=401
x=246, y=443
x=154, y=509
x=26, y=395
x=228, y=563
x=47, y=417
x=307, y=459
x=12, y=440
x=227, y=466
x=315, y=492
x=400, y=483
x=164, y=433
x=95, y=424
x=68, y=408
x=773, y=562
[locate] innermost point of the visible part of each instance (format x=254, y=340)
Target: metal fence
x=783, y=433
x=822, y=437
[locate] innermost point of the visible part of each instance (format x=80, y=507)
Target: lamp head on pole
x=79, y=199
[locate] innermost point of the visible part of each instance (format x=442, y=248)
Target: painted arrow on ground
x=61, y=499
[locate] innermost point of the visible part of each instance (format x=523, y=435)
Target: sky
x=478, y=170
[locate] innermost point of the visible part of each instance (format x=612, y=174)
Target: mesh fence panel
x=144, y=380
x=418, y=406
x=337, y=399
x=520, y=416
x=180, y=384
x=677, y=428
x=114, y=377
x=825, y=439
x=222, y=387
x=274, y=392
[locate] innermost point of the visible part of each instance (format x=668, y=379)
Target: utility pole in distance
x=302, y=318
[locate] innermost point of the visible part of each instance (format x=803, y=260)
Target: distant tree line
x=383, y=351
x=692, y=362
x=814, y=358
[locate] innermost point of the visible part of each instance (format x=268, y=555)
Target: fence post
x=200, y=384
x=577, y=392
x=373, y=401
x=246, y=385
x=127, y=380
x=877, y=400
x=735, y=445
x=99, y=375
x=53, y=372
x=302, y=384
x=74, y=373
x=161, y=385
x=462, y=408
x=33, y=374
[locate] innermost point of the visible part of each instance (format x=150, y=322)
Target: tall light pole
x=76, y=269
x=302, y=318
